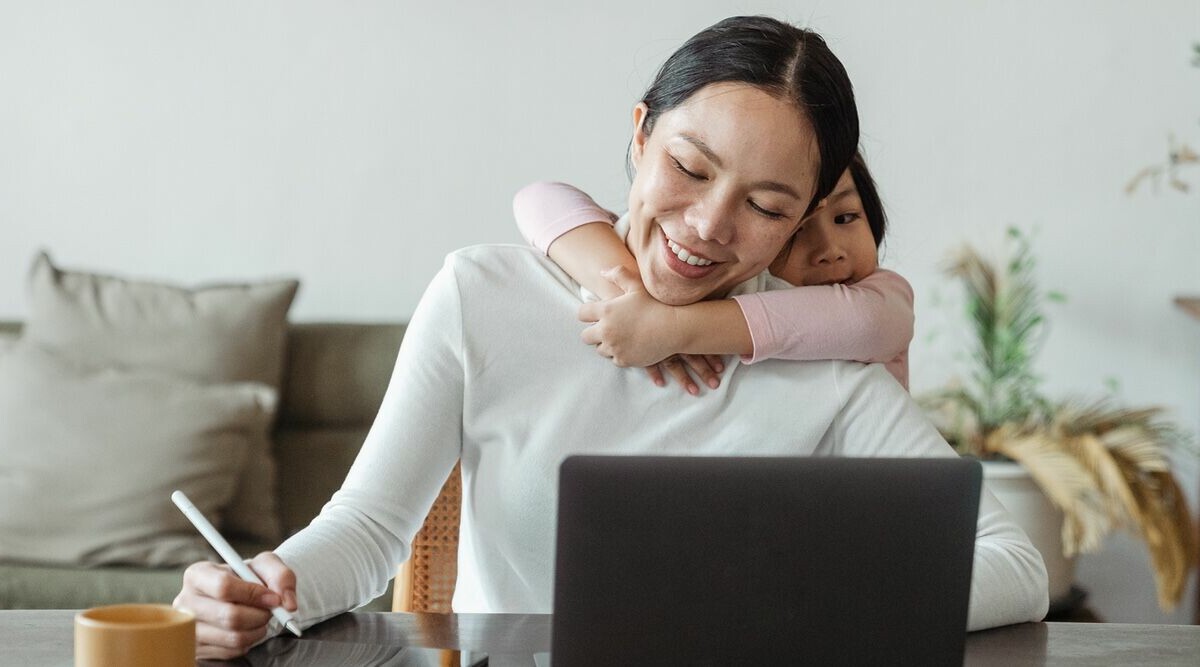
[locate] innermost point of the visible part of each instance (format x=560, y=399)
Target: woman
x=491, y=371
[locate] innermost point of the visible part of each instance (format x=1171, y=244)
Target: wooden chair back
x=425, y=582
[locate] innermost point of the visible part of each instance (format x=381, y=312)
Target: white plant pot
x=1015, y=488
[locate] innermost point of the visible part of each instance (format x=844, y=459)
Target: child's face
x=833, y=245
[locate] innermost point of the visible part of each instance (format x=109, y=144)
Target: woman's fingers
x=702, y=367
x=676, y=369
x=226, y=615
x=220, y=583
x=224, y=629
x=215, y=642
x=681, y=367
x=656, y=375
x=277, y=576
x=232, y=614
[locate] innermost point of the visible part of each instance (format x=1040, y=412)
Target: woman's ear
x=637, y=146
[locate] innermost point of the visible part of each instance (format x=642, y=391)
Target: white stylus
x=228, y=554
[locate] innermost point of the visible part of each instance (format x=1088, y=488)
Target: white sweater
x=492, y=370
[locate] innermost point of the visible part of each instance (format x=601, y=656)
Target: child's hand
x=633, y=329
x=707, y=368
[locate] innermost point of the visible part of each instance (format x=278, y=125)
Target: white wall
x=354, y=144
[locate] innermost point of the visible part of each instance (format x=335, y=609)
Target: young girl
x=843, y=306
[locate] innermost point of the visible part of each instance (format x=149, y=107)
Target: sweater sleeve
x=347, y=555
x=869, y=321
x=879, y=419
x=546, y=210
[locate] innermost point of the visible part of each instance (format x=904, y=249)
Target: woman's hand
x=707, y=367
x=232, y=614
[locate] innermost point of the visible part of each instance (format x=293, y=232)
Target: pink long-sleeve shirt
x=869, y=321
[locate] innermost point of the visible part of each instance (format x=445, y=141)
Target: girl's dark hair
x=792, y=63
x=868, y=194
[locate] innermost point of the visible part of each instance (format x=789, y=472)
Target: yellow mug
x=135, y=635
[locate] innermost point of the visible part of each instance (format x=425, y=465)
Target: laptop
x=740, y=561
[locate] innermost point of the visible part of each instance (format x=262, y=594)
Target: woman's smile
x=684, y=261
x=686, y=256
x=714, y=180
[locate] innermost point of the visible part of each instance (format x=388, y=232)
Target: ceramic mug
x=135, y=635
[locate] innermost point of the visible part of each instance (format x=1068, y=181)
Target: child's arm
x=635, y=329
x=574, y=231
x=869, y=321
x=557, y=219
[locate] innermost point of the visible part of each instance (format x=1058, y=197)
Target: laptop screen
x=703, y=560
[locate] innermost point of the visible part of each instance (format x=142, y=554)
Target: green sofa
x=334, y=380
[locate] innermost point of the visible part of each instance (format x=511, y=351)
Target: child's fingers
x=591, y=336
x=623, y=278
x=590, y=312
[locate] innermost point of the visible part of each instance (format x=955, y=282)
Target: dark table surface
x=36, y=637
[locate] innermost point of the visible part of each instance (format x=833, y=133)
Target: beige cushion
x=89, y=457
x=218, y=333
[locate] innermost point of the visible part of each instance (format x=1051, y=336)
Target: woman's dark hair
x=792, y=63
x=868, y=194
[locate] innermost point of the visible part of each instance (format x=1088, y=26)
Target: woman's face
x=721, y=183
x=833, y=245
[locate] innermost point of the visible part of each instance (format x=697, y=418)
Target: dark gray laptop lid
x=729, y=561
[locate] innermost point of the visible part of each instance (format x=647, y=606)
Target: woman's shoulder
x=497, y=268
x=490, y=258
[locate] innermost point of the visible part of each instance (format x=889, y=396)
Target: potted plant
x=1075, y=469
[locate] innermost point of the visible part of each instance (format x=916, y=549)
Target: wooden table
x=36, y=638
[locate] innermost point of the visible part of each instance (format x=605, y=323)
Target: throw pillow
x=89, y=458
x=218, y=333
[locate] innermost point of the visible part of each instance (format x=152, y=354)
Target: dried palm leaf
x=1108, y=474
x=1066, y=483
x=1166, y=527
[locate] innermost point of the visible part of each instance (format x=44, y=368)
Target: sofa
x=334, y=378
